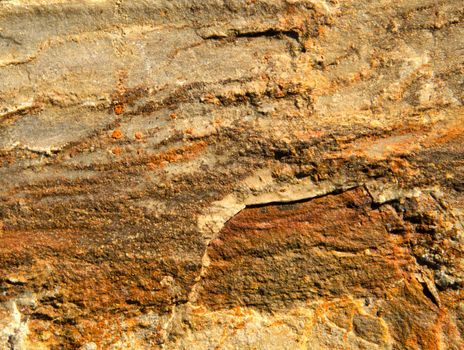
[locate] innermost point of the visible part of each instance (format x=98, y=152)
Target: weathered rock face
x=211, y=174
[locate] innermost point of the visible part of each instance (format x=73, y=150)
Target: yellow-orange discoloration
x=117, y=134
x=118, y=108
x=116, y=150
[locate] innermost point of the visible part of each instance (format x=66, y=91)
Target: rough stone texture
x=225, y=174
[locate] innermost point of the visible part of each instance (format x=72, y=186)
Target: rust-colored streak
x=177, y=154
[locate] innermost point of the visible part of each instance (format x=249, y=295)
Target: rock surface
x=224, y=174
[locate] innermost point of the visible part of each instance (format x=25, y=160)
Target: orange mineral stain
x=117, y=134
x=118, y=108
x=175, y=155
x=116, y=151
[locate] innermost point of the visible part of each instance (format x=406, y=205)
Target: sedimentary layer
x=266, y=174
